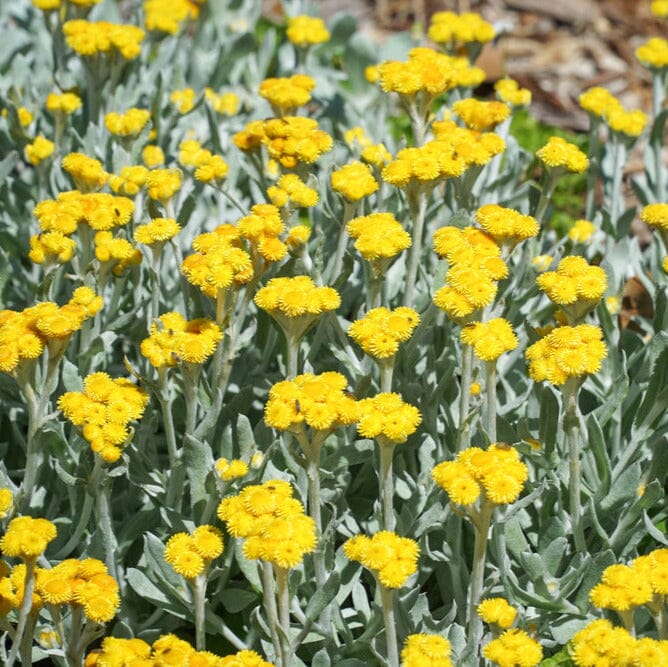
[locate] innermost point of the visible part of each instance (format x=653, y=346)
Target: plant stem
x=551, y=179
x=481, y=523
x=490, y=400
x=156, y=252
x=292, y=361
x=175, y=476
x=386, y=367
x=72, y=656
x=199, y=596
x=594, y=165
x=571, y=425
x=387, y=482
x=102, y=486
x=418, y=207
x=269, y=599
x=616, y=195
x=465, y=397
x=349, y=209
x=658, y=94
x=387, y=602
x=283, y=612
x=24, y=612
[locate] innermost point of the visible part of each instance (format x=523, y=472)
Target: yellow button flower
x=27, y=538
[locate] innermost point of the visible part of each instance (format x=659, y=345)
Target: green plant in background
x=251, y=332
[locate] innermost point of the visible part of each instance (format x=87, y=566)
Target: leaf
x=198, y=459
x=71, y=378
x=145, y=588
x=237, y=599
x=561, y=659
x=549, y=419
x=323, y=596
x=321, y=659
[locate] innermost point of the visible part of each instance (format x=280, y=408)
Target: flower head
x=514, y=648
x=304, y=31
x=424, y=650
x=497, y=611
x=380, y=331
x=558, y=152
x=387, y=416
x=27, y=538
x=490, y=339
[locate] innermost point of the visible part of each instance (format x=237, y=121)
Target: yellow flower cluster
x=376, y=155
x=167, y=15
x=514, y=648
x=449, y=28
x=286, y=94
x=219, y=261
x=39, y=149
x=497, y=611
x=429, y=72
x=378, y=237
x=262, y=228
x=296, y=297
x=191, y=555
x=391, y=558
x=426, y=651
x=103, y=411
x=317, y=401
x=623, y=587
x=424, y=165
x=659, y=8
x=489, y=339
x=130, y=180
x=474, y=148
x=381, y=330
x=581, y=231
x=653, y=53
x=273, y=522
x=497, y=472
x=509, y=91
x=85, y=583
x=559, y=153
x=89, y=38
x=386, y=416
x=87, y=173
x=64, y=103
x=27, y=538
x=127, y=124
x=600, y=103
x=23, y=334
x=291, y=192
x=183, y=99
x=229, y=470
x=601, y=643
x=505, y=225
x=163, y=184
x=6, y=502
x=174, y=340
x=114, y=250
x=153, y=156
x=574, y=281
x=294, y=139
x=208, y=167
x=166, y=650
x=51, y=248
x=99, y=210
x=226, y=104
x=566, y=352
x=475, y=268
x=479, y=115
x=354, y=181
x=655, y=215
x=157, y=232
x=304, y=31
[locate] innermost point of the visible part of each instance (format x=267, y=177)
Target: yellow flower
x=183, y=100
x=505, y=225
x=157, y=231
x=387, y=416
x=510, y=92
x=130, y=181
x=599, y=102
x=630, y=123
x=6, y=502
x=623, y=587
x=226, y=104
x=168, y=15
x=153, y=156
x=290, y=191
x=448, y=28
x=100, y=38
x=497, y=611
x=289, y=140
x=655, y=215
x=424, y=650
x=392, y=558
x=229, y=470
x=127, y=124
x=490, y=339
x=378, y=236
x=163, y=184
x=87, y=173
x=514, y=648
x=354, y=181
x=381, y=330
x=51, y=247
x=40, y=149
x=479, y=115
x=286, y=94
x=581, y=231
x=601, y=643
x=659, y=8
x=305, y=31
x=654, y=53
x=27, y=538
x=65, y=103
x=560, y=153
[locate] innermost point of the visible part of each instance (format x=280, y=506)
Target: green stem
x=386, y=367
x=658, y=94
x=551, y=179
x=464, y=427
x=481, y=524
x=349, y=209
x=387, y=602
x=616, y=194
x=658, y=611
x=190, y=374
x=626, y=617
x=374, y=287
x=387, y=483
x=283, y=612
x=24, y=612
x=418, y=213
x=490, y=400
x=175, y=473
x=593, y=171
x=73, y=658
x=269, y=599
x=155, y=280
x=102, y=486
x=571, y=425
x=292, y=361
x=199, y=597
